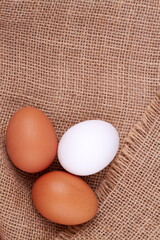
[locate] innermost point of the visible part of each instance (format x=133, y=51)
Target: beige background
x=78, y=60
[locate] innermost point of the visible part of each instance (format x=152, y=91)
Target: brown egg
x=64, y=198
x=31, y=140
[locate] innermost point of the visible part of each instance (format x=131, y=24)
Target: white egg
x=88, y=147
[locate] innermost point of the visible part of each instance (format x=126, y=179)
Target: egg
x=31, y=140
x=88, y=147
x=64, y=198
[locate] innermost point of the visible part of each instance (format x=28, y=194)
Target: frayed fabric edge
x=136, y=135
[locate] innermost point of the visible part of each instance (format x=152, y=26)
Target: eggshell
x=64, y=198
x=88, y=147
x=31, y=140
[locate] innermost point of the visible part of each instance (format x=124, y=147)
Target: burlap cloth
x=78, y=60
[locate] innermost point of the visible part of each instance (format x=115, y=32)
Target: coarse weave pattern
x=77, y=60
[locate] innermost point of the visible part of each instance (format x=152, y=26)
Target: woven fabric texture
x=79, y=60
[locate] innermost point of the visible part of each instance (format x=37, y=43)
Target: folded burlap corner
x=78, y=60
